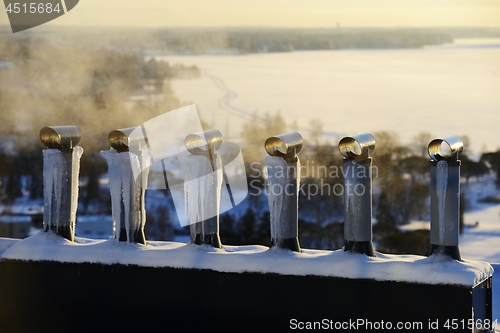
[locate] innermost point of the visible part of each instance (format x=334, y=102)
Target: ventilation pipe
x=128, y=163
x=61, y=166
x=445, y=195
x=283, y=188
x=203, y=146
x=356, y=151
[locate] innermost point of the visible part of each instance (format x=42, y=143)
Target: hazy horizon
x=6, y=25
x=281, y=14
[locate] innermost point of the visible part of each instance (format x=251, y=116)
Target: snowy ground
x=444, y=90
x=481, y=242
x=481, y=236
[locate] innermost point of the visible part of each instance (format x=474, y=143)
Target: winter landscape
x=405, y=86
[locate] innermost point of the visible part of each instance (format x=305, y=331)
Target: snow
x=437, y=269
x=341, y=86
x=5, y=243
x=482, y=242
x=442, y=89
x=481, y=235
x=6, y=64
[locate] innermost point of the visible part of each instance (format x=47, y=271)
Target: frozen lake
x=445, y=90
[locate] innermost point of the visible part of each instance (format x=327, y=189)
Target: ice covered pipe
x=203, y=169
x=356, y=151
x=445, y=195
x=127, y=183
x=61, y=166
x=283, y=187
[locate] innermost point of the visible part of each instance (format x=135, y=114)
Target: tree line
x=243, y=41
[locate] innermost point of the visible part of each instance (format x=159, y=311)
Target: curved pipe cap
x=202, y=143
x=122, y=139
x=61, y=137
x=448, y=149
x=285, y=145
x=357, y=147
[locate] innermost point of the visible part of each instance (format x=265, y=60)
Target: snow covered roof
x=436, y=269
x=5, y=243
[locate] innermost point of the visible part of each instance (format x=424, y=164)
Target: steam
x=61, y=79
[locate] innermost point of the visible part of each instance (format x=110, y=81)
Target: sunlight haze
x=282, y=13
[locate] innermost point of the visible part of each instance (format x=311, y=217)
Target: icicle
x=145, y=164
x=77, y=154
x=61, y=168
x=54, y=173
x=202, y=188
x=202, y=181
x=126, y=194
x=445, y=195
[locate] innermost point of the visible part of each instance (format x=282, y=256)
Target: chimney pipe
x=445, y=195
x=283, y=205
x=60, y=173
x=127, y=169
x=356, y=151
x=206, y=144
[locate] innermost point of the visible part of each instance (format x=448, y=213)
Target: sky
x=282, y=13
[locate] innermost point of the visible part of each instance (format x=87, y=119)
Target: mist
x=62, y=79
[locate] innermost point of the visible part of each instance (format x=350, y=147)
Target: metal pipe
x=445, y=195
x=64, y=138
x=356, y=151
x=206, y=144
x=61, y=201
x=130, y=141
x=284, y=226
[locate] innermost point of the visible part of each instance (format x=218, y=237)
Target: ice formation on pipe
x=356, y=202
x=128, y=211
x=445, y=195
x=282, y=183
x=57, y=211
x=356, y=151
x=54, y=170
x=77, y=154
x=202, y=188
